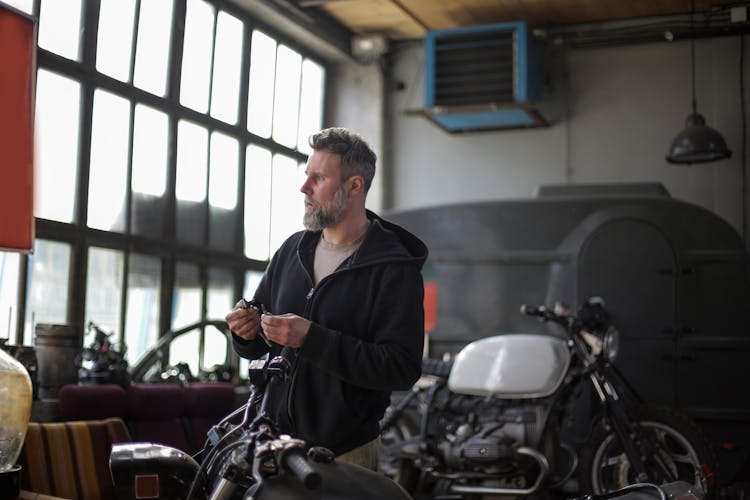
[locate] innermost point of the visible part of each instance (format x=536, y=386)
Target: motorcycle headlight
x=611, y=343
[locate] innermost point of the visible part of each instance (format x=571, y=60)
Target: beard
x=320, y=216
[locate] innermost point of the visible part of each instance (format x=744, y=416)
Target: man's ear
x=358, y=184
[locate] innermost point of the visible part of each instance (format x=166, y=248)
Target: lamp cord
x=692, y=71
x=692, y=53
x=743, y=160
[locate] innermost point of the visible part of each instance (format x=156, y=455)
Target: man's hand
x=243, y=322
x=285, y=329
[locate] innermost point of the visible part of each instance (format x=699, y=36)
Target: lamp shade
x=697, y=143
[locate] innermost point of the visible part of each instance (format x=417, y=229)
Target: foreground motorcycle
x=490, y=422
x=247, y=460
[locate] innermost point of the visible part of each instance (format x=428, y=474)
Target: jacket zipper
x=308, y=310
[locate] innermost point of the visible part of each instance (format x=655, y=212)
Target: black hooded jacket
x=366, y=337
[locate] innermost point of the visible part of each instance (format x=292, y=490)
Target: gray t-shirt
x=329, y=256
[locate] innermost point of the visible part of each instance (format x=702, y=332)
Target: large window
x=170, y=136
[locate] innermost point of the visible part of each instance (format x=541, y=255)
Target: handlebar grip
x=296, y=462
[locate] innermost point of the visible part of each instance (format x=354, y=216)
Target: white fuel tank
x=510, y=366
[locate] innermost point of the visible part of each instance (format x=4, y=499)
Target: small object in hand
x=245, y=304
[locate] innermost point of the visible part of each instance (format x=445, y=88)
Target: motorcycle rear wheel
x=682, y=449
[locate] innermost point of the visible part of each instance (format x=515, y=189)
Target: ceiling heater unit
x=483, y=78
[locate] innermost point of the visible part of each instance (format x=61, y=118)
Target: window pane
x=225, y=88
x=257, y=202
x=9, y=269
x=220, y=293
x=287, y=202
x=260, y=95
x=192, y=164
x=196, y=55
x=110, y=130
x=152, y=52
x=222, y=187
x=60, y=27
x=187, y=298
x=150, y=134
x=252, y=280
x=142, y=317
x=56, y=164
x=286, y=96
x=216, y=347
x=22, y=5
x=114, y=42
x=311, y=104
x=184, y=349
x=47, y=300
x=104, y=289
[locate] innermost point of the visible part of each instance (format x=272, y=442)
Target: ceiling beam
x=410, y=14
x=312, y=28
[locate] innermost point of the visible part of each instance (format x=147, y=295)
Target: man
x=347, y=296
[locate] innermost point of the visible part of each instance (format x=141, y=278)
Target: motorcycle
x=100, y=362
x=249, y=459
x=490, y=422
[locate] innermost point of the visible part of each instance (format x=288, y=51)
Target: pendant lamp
x=697, y=143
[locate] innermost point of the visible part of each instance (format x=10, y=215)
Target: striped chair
x=71, y=459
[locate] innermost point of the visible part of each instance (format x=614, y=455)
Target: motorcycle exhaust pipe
x=490, y=490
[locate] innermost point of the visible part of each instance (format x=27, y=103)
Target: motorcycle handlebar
x=558, y=314
x=296, y=462
x=538, y=311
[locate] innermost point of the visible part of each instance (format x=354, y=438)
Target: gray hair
x=357, y=157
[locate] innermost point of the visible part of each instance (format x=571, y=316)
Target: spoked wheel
x=678, y=451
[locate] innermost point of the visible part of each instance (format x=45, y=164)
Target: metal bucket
x=57, y=347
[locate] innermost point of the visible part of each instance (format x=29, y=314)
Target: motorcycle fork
x=425, y=420
x=626, y=431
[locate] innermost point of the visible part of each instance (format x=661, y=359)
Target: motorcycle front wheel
x=681, y=452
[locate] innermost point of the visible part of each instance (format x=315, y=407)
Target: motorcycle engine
x=484, y=442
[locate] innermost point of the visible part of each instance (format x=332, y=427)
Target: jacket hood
x=385, y=242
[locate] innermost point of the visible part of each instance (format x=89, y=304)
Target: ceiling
x=411, y=19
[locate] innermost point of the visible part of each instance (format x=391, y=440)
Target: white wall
x=355, y=100
x=624, y=106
